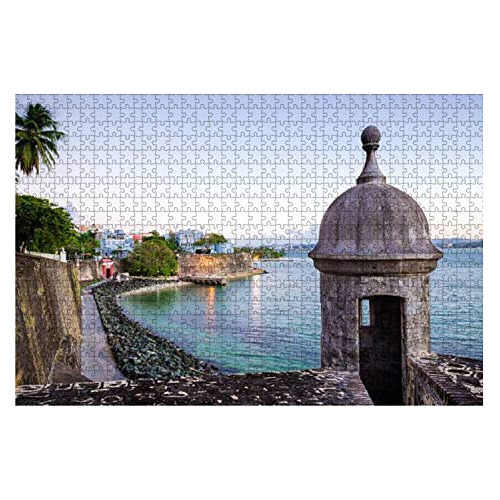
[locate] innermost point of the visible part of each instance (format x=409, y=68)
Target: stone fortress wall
x=48, y=334
x=220, y=265
x=48, y=319
x=89, y=270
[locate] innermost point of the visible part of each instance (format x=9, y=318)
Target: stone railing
x=61, y=256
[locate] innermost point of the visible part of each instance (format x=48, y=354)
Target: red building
x=107, y=268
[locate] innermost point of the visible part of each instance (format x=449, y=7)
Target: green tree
x=211, y=239
x=155, y=235
x=82, y=244
x=42, y=226
x=172, y=243
x=36, y=139
x=151, y=258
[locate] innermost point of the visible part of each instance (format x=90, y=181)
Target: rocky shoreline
x=138, y=352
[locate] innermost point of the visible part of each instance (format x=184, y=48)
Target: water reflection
x=210, y=315
x=273, y=321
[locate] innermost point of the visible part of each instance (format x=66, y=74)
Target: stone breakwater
x=168, y=283
x=138, y=352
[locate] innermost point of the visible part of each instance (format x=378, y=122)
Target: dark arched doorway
x=380, y=361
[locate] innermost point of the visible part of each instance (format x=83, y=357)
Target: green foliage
x=36, y=139
x=262, y=252
x=42, y=226
x=172, y=243
x=152, y=257
x=155, y=235
x=211, y=239
x=116, y=253
x=82, y=244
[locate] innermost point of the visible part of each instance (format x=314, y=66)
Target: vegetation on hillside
x=36, y=139
x=42, y=226
x=261, y=252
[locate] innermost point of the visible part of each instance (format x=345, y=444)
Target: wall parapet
x=89, y=270
x=441, y=379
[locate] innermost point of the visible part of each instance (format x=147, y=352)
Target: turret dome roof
x=373, y=220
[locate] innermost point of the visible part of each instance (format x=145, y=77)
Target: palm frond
x=36, y=139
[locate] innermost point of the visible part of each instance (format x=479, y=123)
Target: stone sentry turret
x=375, y=256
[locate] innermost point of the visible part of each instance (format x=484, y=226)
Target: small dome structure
x=374, y=228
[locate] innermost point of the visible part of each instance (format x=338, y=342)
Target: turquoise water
x=273, y=321
x=457, y=303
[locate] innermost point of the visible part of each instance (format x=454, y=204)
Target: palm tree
x=36, y=139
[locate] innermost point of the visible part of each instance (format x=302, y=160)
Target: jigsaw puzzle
x=249, y=249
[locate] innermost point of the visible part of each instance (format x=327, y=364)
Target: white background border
x=253, y=47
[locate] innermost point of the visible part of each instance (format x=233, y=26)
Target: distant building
x=227, y=247
x=186, y=239
x=116, y=244
x=214, y=248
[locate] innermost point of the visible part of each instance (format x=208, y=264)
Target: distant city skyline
x=257, y=168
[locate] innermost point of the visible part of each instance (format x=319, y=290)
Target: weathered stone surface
x=341, y=322
x=444, y=380
x=375, y=221
x=48, y=319
x=311, y=387
x=89, y=270
x=374, y=244
x=222, y=265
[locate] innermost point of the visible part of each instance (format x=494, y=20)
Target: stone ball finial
x=370, y=137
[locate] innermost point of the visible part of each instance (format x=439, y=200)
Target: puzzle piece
x=262, y=170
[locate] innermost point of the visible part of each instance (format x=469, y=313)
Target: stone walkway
x=309, y=387
x=97, y=359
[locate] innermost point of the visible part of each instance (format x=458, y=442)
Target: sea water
x=272, y=322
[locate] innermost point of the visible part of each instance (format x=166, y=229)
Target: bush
x=151, y=258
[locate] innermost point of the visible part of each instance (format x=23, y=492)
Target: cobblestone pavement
x=97, y=359
x=311, y=387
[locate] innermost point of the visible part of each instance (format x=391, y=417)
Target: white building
x=116, y=244
x=186, y=239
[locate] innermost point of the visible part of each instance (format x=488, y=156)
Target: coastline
x=169, y=283
x=138, y=351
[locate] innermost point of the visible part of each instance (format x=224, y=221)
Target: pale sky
x=257, y=167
